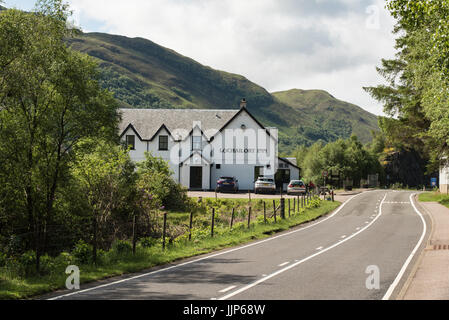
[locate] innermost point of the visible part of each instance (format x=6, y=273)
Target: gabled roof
x=196, y=153
x=178, y=122
x=289, y=162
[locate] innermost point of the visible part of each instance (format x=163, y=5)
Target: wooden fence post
x=232, y=217
x=265, y=212
x=274, y=209
x=164, y=232
x=190, y=226
x=289, y=213
x=213, y=223
x=134, y=234
x=249, y=217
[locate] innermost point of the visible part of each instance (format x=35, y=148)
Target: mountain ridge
x=143, y=74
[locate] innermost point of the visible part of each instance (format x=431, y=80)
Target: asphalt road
x=326, y=259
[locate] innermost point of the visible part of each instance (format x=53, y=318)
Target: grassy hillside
x=339, y=118
x=143, y=74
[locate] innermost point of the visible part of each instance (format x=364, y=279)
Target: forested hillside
x=143, y=74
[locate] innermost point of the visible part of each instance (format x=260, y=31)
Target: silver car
x=296, y=187
x=265, y=185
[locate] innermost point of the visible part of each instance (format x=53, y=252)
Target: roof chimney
x=243, y=103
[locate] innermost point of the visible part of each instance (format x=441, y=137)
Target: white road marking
x=284, y=264
x=318, y=249
x=212, y=255
x=227, y=289
x=343, y=236
x=232, y=294
x=358, y=228
x=409, y=259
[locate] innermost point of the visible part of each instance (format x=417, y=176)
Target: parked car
x=227, y=184
x=265, y=185
x=296, y=187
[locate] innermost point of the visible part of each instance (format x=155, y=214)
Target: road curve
x=327, y=259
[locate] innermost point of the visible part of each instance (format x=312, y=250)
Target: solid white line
x=409, y=259
x=227, y=289
x=284, y=264
x=210, y=256
x=300, y=262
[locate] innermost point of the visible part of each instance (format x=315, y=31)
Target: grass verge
x=435, y=197
x=145, y=258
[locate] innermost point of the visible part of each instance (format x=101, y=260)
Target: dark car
x=227, y=184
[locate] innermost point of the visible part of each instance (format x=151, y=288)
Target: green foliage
x=155, y=178
x=144, y=75
x=347, y=158
x=82, y=252
x=122, y=247
x=416, y=98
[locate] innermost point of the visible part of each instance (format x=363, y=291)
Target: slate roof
x=147, y=122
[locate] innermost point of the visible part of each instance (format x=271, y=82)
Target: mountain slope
x=143, y=74
x=338, y=117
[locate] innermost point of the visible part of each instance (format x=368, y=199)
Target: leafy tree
x=49, y=100
x=103, y=174
x=417, y=96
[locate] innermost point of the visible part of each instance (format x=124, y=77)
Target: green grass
x=15, y=288
x=435, y=197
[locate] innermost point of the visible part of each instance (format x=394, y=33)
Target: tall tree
x=49, y=100
x=417, y=96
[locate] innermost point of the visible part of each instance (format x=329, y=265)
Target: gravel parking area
x=339, y=196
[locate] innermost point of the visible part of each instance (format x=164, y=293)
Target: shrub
x=3, y=259
x=148, y=242
x=27, y=263
x=122, y=247
x=82, y=252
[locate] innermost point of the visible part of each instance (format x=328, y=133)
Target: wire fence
x=212, y=217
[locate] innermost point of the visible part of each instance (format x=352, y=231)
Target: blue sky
x=334, y=45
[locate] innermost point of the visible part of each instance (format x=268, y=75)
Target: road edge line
x=401, y=273
x=274, y=274
x=336, y=211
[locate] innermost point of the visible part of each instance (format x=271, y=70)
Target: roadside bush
x=122, y=247
x=82, y=252
x=64, y=260
x=3, y=259
x=148, y=242
x=27, y=263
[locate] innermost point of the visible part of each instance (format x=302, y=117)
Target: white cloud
x=320, y=44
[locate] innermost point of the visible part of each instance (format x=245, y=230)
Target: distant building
x=204, y=145
x=444, y=176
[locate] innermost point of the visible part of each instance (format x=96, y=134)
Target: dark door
x=196, y=177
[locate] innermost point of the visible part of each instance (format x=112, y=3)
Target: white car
x=265, y=185
x=296, y=187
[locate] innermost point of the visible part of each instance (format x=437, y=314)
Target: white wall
x=240, y=165
x=444, y=179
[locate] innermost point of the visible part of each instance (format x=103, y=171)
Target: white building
x=444, y=177
x=203, y=145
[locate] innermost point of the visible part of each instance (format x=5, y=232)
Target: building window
x=163, y=143
x=197, y=144
x=131, y=142
x=218, y=166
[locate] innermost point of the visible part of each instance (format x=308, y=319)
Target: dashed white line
x=299, y=262
x=319, y=248
x=343, y=236
x=284, y=264
x=227, y=289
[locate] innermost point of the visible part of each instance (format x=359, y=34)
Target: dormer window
x=197, y=143
x=163, y=143
x=131, y=142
